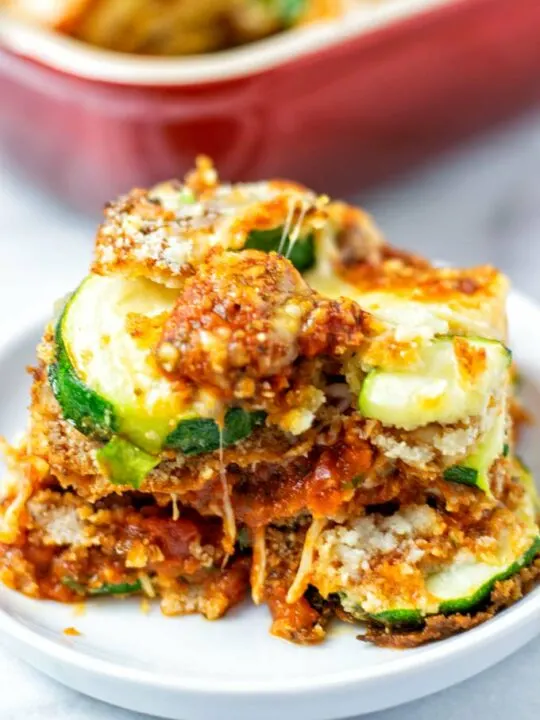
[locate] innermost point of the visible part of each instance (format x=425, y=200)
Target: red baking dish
x=336, y=105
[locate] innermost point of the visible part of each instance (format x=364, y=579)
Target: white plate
x=192, y=669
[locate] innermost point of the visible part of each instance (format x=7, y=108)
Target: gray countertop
x=479, y=204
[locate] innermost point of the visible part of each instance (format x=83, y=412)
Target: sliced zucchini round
x=106, y=335
x=461, y=587
x=458, y=588
x=443, y=390
x=89, y=412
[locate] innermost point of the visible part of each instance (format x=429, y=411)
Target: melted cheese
x=229, y=520
x=413, y=319
x=303, y=576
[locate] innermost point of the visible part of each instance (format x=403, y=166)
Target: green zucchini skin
x=302, y=255
x=106, y=589
x=117, y=589
x=461, y=474
x=201, y=435
x=125, y=463
x=397, y=618
x=474, y=469
x=91, y=414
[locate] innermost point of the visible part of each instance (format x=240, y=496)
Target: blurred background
x=101, y=95
x=425, y=112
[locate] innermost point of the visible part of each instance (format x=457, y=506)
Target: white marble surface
x=478, y=204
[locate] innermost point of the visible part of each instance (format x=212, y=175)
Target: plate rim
x=444, y=651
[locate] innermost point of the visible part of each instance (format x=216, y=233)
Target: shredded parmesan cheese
x=258, y=567
x=146, y=585
x=301, y=580
x=229, y=522
x=291, y=202
x=175, y=511
x=295, y=233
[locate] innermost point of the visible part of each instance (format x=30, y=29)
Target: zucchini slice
x=85, y=409
x=458, y=588
x=443, y=390
x=105, y=341
x=301, y=252
x=474, y=470
x=461, y=587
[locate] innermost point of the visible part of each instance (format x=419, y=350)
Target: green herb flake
x=355, y=482
x=243, y=539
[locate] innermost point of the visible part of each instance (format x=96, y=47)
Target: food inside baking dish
x=252, y=393
x=173, y=27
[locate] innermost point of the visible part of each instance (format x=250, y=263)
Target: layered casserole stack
x=251, y=392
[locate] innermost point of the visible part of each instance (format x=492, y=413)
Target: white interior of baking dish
x=74, y=57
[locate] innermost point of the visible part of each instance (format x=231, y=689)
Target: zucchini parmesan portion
x=252, y=394
x=177, y=28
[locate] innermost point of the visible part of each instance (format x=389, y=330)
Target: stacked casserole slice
x=252, y=390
